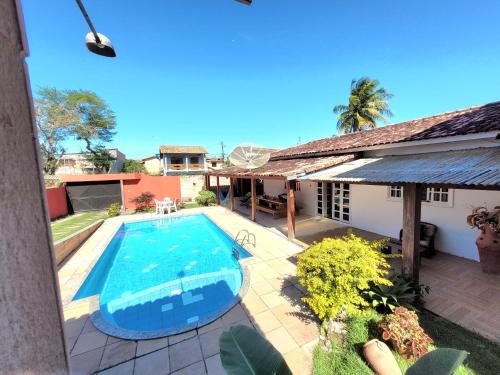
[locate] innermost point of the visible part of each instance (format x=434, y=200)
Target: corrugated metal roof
x=285, y=168
x=466, y=167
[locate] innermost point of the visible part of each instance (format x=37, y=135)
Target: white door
x=341, y=202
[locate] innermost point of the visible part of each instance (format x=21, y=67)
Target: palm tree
x=367, y=105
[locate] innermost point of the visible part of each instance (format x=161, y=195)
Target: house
x=77, y=163
x=214, y=163
x=433, y=169
x=182, y=160
x=188, y=162
x=153, y=165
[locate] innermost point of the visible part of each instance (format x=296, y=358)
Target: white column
x=187, y=163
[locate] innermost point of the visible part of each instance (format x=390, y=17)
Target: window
x=194, y=160
x=214, y=164
x=395, y=192
x=432, y=196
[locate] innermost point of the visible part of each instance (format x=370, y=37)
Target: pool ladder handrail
x=243, y=237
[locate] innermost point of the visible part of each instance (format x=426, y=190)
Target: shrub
x=335, y=271
x=386, y=298
x=114, y=209
x=143, y=202
x=205, y=198
x=133, y=166
x=405, y=334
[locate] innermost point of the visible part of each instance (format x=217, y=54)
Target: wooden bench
x=275, y=207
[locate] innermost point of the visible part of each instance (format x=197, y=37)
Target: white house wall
x=372, y=211
x=305, y=198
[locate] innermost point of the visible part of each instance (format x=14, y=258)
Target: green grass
x=63, y=228
x=483, y=357
x=191, y=205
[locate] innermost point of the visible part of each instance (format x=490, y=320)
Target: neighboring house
x=77, y=163
x=188, y=162
x=182, y=160
x=357, y=179
x=214, y=163
x=153, y=165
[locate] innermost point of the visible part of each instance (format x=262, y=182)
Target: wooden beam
x=231, y=193
x=207, y=183
x=218, y=191
x=254, y=199
x=412, y=196
x=290, y=208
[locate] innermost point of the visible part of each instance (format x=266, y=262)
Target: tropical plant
x=133, y=166
x=114, y=209
x=143, y=201
x=403, y=330
x=205, y=198
x=386, y=298
x=367, y=105
x=244, y=351
x=481, y=216
x=440, y=361
x=336, y=271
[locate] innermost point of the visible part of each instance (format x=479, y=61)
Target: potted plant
x=488, y=241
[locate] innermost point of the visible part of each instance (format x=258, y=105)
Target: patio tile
x=156, y=363
x=279, y=283
x=172, y=340
x=148, y=346
x=234, y=315
x=266, y=321
x=245, y=322
x=210, y=342
x=214, y=365
x=89, y=327
x=253, y=303
x=262, y=287
x=273, y=299
x=126, y=368
x=112, y=340
x=185, y=353
x=303, y=332
x=197, y=368
x=292, y=294
x=73, y=327
x=211, y=326
x=117, y=353
x=281, y=340
x=89, y=341
x=299, y=361
x=86, y=363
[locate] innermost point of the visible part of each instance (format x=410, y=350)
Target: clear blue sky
x=198, y=72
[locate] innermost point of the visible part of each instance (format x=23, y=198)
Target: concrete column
x=31, y=320
x=187, y=163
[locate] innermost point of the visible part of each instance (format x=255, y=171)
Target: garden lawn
x=191, y=205
x=483, y=357
x=63, y=228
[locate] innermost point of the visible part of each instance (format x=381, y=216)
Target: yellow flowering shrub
x=335, y=271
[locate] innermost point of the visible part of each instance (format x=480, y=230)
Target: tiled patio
x=272, y=305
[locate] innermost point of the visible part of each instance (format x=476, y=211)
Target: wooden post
x=123, y=196
x=207, y=182
x=231, y=193
x=412, y=196
x=254, y=199
x=290, y=208
x=218, y=191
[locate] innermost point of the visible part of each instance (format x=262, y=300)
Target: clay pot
x=488, y=245
x=380, y=358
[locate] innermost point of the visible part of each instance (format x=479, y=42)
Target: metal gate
x=90, y=196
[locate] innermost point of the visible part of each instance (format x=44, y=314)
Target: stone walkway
x=272, y=305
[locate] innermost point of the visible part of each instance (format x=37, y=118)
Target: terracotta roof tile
x=472, y=120
x=170, y=149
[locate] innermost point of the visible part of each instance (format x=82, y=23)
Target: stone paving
x=272, y=305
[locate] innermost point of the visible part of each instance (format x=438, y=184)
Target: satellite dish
x=249, y=156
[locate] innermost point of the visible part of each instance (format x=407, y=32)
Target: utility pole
x=222, y=150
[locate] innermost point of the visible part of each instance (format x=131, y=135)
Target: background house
x=188, y=162
x=77, y=163
x=153, y=165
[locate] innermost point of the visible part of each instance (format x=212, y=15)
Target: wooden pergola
x=290, y=195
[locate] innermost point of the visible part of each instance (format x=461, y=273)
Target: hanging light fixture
x=96, y=42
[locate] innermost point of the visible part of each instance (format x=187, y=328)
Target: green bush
x=133, y=166
x=336, y=271
x=205, y=198
x=114, y=209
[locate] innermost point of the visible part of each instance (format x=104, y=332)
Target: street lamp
x=96, y=42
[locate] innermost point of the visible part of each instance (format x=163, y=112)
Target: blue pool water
x=162, y=275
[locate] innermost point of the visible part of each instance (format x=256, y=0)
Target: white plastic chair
x=169, y=204
x=160, y=207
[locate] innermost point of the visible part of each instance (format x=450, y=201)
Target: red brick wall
x=160, y=186
x=58, y=205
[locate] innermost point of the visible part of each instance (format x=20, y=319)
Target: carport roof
x=478, y=167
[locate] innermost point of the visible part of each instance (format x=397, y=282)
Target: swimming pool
x=162, y=277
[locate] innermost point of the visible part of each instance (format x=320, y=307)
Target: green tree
x=133, y=166
x=54, y=119
x=367, y=105
x=100, y=158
